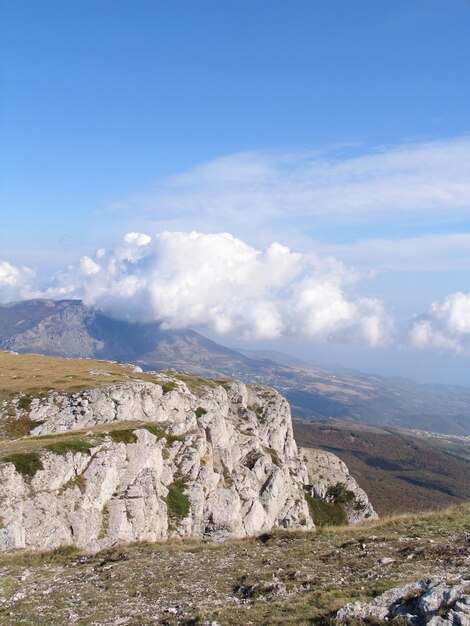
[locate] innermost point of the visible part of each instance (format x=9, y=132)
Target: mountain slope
x=69, y=328
x=399, y=471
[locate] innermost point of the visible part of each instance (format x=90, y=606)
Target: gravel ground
x=278, y=578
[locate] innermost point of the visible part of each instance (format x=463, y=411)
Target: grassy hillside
x=277, y=578
x=34, y=373
x=24, y=377
x=399, y=472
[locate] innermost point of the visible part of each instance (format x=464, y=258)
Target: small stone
x=26, y=575
x=172, y=610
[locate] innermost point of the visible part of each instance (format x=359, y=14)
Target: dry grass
x=34, y=374
x=24, y=377
x=196, y=384
x=279, y=578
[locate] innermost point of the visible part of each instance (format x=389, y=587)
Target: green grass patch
x=74, y=445
x=37, y=392
x=200, y=411
x=123, y=436
x=73, y=389
x=177, y=502
x=167, y=387
x=161, y=434
x=77, y=481
x=326, y=513
x=274, y=456
x=26, y=463
x=104, y=521
x=18, y=427
x=339, y=494
x=260, y=413
x=24, y=403
x=36, y=558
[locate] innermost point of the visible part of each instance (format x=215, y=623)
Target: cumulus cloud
x=15, y=282
x=445, y=326
x=218, y=281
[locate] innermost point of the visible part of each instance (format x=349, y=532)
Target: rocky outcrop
x=431, y=602
x=49, y=327
x=329, y=479
x=147, y=459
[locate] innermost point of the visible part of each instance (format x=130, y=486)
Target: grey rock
x=382, y=606
x=234, y=460
x=325, y=470
x=424, y=602
x=438, y=595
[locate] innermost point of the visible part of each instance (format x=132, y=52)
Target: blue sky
x=339, y=129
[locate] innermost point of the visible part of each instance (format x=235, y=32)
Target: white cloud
x=222, y=283
x=219, y=281
x=429, y=180
x=445, y=326
x=15, y=282
x=88, y=266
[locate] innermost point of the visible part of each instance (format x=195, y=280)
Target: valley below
x=401, y=471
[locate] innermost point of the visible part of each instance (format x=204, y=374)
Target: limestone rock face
x=164, y=458
x=432, y=602
x=328, y=474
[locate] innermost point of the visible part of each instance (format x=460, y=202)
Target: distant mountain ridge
x=71, y=329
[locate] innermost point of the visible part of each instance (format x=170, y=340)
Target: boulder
x=425, y=602
x=329, y=479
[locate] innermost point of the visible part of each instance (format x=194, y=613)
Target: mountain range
x=71, y=329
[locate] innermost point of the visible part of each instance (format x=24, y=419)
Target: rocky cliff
x=329, y=480
x=112, y=455
x=171, y=455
